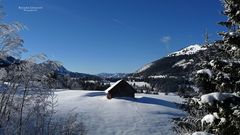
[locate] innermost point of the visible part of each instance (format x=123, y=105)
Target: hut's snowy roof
x=112, y=86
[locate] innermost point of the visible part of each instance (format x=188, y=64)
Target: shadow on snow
x=143, y=100
x=152, y=101
x=95, y=94
x=169, y=113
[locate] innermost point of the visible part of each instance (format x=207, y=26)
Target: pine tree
x=218, y=71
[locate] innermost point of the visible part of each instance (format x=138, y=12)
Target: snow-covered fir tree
x=216, y=109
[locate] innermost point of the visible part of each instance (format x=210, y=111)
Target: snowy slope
x=181, y=58
x=192, y=49
x=145, y=67
x=148, y=114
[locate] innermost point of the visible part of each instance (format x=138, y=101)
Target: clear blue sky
x=94, y=36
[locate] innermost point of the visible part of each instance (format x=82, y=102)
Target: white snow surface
x=192, y=49
x=158, y=76
x=201, y=133
x=91, y=81
x=145, y=67
x=236, y=112
x=216, y=96
x=183, y=63
x=139, y=84
x=205, y=71
x=195, y=88
x=147, y=114
x=209, y=119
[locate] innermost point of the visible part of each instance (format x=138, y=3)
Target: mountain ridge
x=179, y=61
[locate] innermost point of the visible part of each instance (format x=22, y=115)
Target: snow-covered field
x=145, y=115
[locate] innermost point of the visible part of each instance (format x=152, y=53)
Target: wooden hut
x=120, y=89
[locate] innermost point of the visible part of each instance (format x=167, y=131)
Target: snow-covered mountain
x=192, y=49
x=172, y=71
x=54, y=66
x=51, y=66
x=58, y=68
x=174, y=64
x=112, y=75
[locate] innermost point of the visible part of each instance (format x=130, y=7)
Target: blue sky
x=94, y=36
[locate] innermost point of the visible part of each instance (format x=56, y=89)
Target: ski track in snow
x=147, y=114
